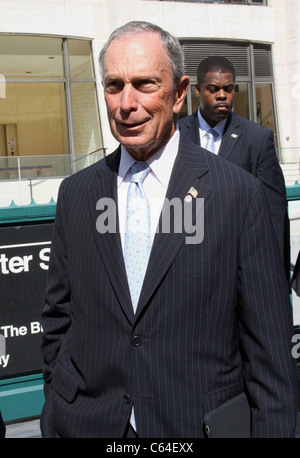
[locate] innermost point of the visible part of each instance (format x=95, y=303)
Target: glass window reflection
x=28, y=57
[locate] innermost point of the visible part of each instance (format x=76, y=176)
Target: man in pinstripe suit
x=213, y=318
x=243, y=142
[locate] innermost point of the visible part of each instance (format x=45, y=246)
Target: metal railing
x=24, y=179
x=27, y=178
x=33, y=167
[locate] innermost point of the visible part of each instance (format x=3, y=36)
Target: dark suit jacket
x=295, y=281
x=251, y=146
x=213, y=319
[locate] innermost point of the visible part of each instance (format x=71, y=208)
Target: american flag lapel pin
x=192, y=193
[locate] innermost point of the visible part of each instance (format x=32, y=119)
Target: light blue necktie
x=137, y=242
x=211, y=135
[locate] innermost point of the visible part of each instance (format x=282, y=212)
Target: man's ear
x=181, y=92
x=197, y=90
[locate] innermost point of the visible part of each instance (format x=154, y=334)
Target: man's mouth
x=222, y=105
x=130, y=125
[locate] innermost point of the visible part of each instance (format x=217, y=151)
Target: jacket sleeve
x=266, y=327
x=271, y=175
x=56, y=313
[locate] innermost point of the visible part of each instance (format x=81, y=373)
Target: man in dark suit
x=213, y=317
x=243, y=142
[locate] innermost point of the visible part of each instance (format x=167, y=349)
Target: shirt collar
x=204, y=126
x=161, y=163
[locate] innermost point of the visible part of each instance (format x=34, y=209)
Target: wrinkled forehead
x=136, y=54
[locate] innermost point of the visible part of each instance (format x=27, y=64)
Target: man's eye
x=212, y=89
x=145, y=82
x=113, y=86
x=229, y=89
x=145, y=85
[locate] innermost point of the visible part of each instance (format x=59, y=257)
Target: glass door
x=264, y=113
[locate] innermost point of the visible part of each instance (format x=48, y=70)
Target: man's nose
x=128, y=98
x=222, y=94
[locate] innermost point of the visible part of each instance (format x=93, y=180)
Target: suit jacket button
x=136, y=341
x=126, y=398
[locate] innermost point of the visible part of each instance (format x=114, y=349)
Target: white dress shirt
x=155, y=183
x=204, y=127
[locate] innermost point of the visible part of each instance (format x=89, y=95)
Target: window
x=49, y=106
x=254, y=78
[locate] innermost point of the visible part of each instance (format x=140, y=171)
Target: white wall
x=289, y=88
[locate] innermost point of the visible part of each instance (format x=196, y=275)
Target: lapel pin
x=188, y=198
x=193, y=192
x=234, y=135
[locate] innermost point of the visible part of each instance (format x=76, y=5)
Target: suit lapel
x=191, y=131
x=231, y=136
x=104, y=190
x=190, y=170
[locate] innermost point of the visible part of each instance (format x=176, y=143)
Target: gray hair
x=170, y=43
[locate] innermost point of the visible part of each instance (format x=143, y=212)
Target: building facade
x=52, y=108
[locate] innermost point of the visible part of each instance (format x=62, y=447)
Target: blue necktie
x=211, y=135
x=137, y=242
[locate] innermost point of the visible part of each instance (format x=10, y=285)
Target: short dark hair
x=214, y=64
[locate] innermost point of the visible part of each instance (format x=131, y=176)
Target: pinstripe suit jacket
x=251, y=146
x=213, y=319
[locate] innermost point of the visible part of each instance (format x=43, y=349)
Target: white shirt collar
x=204, y=127
x=161, y=163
